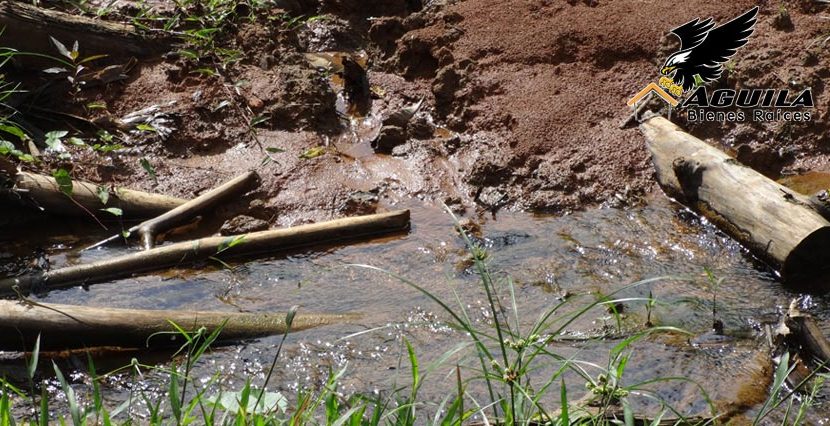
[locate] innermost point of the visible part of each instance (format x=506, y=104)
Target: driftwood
x=191, y=251
x=28, y=28
x=68, y=326
x=775, y=223
x=148, y=230
x=44, y=192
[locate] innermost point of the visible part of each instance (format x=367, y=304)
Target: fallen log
x=149, y=229
x=188, y=252
x=775, y=223
x=69, y=326
x=45, y=193
x=29, y=28
x=183, y=213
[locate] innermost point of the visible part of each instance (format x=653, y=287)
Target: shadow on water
x=580, y=256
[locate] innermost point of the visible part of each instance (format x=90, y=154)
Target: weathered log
x=45, y=193
x=28, y=28
x=148, y=229
x=69, y=326
x=775, y=223
x=225, y=247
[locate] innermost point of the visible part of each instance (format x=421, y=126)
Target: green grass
x=511, y=361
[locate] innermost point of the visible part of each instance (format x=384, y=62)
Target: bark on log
x=191, y=251
x=69, y=326
x=44, y=191
x=775, y=223
x=28, y=28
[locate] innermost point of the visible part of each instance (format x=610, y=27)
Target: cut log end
x=807, y=268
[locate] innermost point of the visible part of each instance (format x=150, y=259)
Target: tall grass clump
x=509, y=352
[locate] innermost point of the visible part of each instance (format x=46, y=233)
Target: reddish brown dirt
x=526, y=98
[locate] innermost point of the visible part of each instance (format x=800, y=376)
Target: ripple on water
x=579, y=256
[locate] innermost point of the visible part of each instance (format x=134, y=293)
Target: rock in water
x=243, y=225
x=393, y=131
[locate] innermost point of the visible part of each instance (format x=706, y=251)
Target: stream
x=549, y=258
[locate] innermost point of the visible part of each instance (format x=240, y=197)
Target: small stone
x=255, y=103
x=421, y=128
x=360, y=202
x=388, y=138
x=242, y=225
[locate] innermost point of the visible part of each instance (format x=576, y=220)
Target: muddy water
x=574, y=257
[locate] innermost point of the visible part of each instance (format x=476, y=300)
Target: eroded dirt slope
x=523, y=104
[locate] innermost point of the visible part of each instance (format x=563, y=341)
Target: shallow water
x=578, y=256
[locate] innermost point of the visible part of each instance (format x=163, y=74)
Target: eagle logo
x=704, y=50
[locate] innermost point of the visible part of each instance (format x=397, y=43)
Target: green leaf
x=74, y=53
x=13, y=130
x=103, y=194
x=189, y=54
x=115, y=211
x=53, y=140
x=96, y=105
x=173, y=394
x=6, y=147
x=64, y=181
x=74, y=408
x=313, y=152
x=274, y=150
x=204, y=71
x=91, y=58
x=106, y=148
x=61, y=48
x=56, y=134
x=289, y=317
x=628, y=413
x=76, y=141
x=26, y=157
x=413, y=362
x=230, y=242
x=564, y=417
x=104, y=136
x=145, y=164
x=32, y=367
x=259, y=119
x=44, y=407
x=145, y=128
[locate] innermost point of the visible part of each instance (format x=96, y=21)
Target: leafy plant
x=71, y=63
x=64, y=181
x=145, y=164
